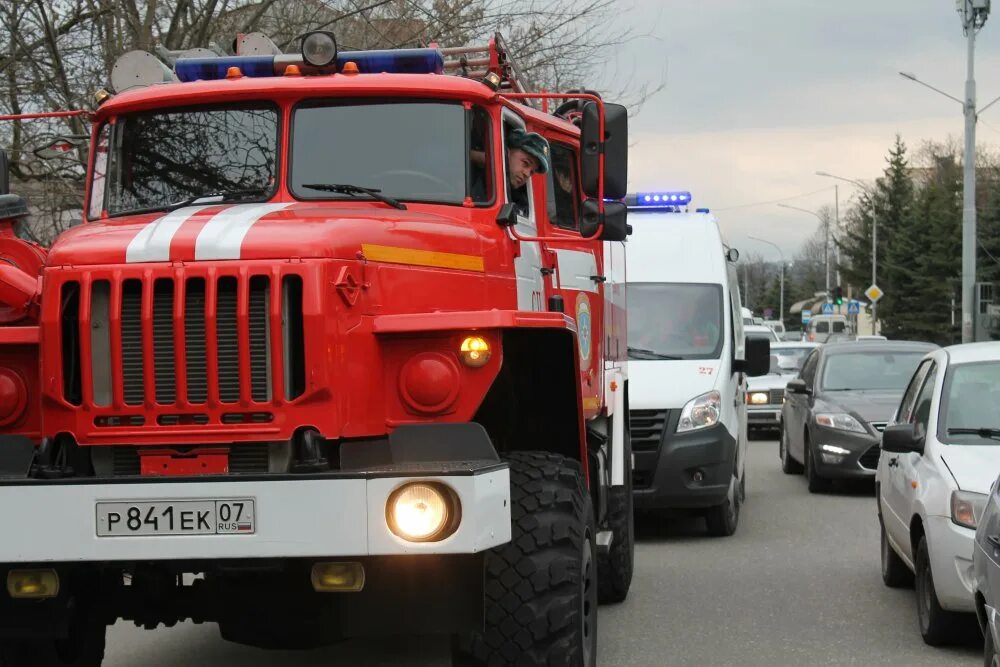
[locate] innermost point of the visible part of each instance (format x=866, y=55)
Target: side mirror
x=615, y=226
x=902, y=439
x=757, y=357
x=615, y=145
x=797, y=386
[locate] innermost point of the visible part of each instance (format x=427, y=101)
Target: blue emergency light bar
x=661, y=201
x=396, y=61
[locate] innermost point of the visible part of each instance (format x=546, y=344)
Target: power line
x=775, y=201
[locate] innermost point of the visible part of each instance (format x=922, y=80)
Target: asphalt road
x=798, y=584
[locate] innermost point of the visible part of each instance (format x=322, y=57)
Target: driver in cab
x=527, y=155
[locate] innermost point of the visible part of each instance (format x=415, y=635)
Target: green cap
x=533, y=144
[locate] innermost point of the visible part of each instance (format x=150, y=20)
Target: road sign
x=828, y=309
x=854, y=307
x=806, y=316
x=874, y=293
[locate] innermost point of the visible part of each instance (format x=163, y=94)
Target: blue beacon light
x=663, y=199
x=395, y=61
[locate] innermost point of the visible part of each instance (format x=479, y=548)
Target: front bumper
x=666, y=466
x=768, y=416
x=318, y=515
x=860, y=461
x=950, y=549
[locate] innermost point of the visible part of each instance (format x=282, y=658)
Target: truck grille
x=175, y=341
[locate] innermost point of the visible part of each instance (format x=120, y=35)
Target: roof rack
x=475, y=62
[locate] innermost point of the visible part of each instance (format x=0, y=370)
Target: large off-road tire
x=722, y=520
x=614, y=569
x=895, y=573
x=938, y=627
x=84, y=647
x=541, y=587
x=789, y=466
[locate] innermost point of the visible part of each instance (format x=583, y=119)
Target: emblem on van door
x=583, y=328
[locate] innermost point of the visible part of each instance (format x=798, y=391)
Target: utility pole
x=836, y=226
x=781, y=298
x=974, y=14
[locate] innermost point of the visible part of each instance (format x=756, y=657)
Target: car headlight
x=967, y=508
x=840, y=421
x=758, y=398
x=701, y=412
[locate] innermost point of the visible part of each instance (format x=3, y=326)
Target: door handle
x=894, y=462
x=994, y=540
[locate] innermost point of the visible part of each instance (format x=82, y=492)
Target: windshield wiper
x=354, y=190
x=223, y=195
x=649, y=354
x=981, y=432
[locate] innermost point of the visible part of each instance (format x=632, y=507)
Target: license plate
x=176, y=517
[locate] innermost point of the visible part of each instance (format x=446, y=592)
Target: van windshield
x=674, y=321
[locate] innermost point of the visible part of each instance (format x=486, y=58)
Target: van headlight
x=701, y=412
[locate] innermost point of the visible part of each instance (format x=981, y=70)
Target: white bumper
x=950, y=550
x=307, y=517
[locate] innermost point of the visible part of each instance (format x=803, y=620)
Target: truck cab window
x=480, y=177
x=563, y=200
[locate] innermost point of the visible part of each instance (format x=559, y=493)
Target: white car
x=761, y=331
x=940, y=455
x=766, y=393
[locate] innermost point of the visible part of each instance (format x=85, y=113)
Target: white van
x=688, y=363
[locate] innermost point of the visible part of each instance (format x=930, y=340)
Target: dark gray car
x=837, y=407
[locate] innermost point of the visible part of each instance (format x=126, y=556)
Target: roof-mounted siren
x=670, y=201
x=138, y=69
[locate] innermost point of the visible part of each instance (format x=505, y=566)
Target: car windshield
x=159, y=159
x=788, y=360
x=869, y=371
x=413, y=151
x=970, y=400
x=674, y=320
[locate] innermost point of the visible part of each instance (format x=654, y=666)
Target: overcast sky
x=761, y=94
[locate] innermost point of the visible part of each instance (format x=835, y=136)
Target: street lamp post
x=781, y=304
x=871, y=195
x=826, y=238
x=973, y=14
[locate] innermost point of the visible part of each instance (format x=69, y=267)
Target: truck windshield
x=674, y=320
x=160, y=158
x=411, y=151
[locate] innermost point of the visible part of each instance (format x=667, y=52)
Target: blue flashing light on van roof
x=702, y=210
x=661, y=201
x=395, y=61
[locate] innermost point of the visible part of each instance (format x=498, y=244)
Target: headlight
x=967, y=508
x=422, y=512
x=700, y=412
x=840, y=421
x=758, y=398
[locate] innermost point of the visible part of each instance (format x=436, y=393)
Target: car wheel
x=895, y=574
x=937, y=626
x=814, y=481
x=789, y=466
x=723, y=519
x=990, y=657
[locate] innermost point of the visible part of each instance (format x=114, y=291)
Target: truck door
x=528, y=262
x=580, y=272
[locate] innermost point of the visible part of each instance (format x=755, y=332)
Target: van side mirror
x=902, y=439
x=615, y=143
x=614, y=218
x=757, y=357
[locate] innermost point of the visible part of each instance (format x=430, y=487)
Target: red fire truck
x=312, y=369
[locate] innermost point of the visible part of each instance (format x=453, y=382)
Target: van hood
x=668, y=385
x=273, y=230
x=975, y=467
